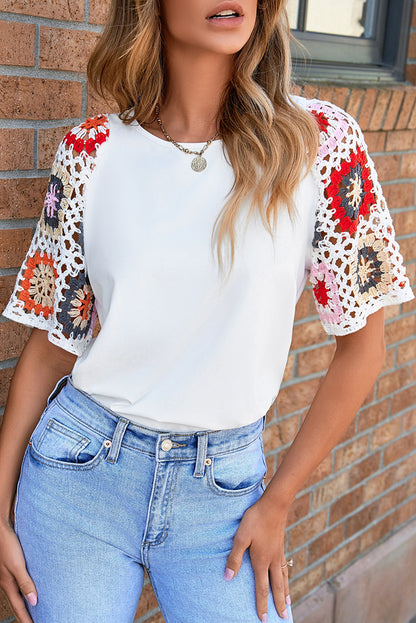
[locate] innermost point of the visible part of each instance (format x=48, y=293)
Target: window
x=351, y=39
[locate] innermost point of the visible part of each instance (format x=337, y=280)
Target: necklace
x=199, y=163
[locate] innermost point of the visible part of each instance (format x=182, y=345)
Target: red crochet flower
x=322, y=120
x=321, y=291
x=351, y=191
x=96, y=134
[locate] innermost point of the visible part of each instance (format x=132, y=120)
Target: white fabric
x=177, y=349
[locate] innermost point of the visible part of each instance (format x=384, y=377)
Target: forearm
x=348, y=381
x=34, y=378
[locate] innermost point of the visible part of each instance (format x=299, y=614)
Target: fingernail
x=288, y=600
x=264, y=618
x=285, y=614
x=32, y=599
x=228, y=574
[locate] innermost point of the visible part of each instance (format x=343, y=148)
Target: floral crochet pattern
x=356, y=264
x=52, y=289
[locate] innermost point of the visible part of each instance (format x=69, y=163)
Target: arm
x=357, y=361
x=40, y=366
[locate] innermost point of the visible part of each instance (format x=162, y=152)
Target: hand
x=262, y=530
x=14, y=575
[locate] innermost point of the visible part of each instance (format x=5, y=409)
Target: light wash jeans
x=100, y=499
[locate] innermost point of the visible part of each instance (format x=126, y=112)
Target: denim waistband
x=164, y=445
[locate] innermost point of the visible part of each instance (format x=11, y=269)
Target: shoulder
x=89, y=135
x=340, y=133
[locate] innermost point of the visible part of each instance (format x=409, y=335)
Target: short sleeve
x=52, y=289
x=356, y=265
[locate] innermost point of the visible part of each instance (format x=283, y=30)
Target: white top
x=178, y=349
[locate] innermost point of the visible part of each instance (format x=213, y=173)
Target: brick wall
x=366, y=489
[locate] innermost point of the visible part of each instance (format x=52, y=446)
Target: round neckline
x=157, y=139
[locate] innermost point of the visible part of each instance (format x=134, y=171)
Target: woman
x=149, y=452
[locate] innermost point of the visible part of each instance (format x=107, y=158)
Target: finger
x=285, y=572
x=261, y=578
x=235, y=557
x=25, y=584
x=17, y=603
x=277, y=583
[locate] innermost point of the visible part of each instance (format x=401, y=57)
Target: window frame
x=379, y=60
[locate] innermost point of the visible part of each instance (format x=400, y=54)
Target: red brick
x=5, y=610
x=399, y=195
x=324, y=544
x=409, y=420
x=406, y=110
x=99, y=11
x=364, y=468
x=326, y=94
x=375, y=141
x=389, y=358
x=289, y=368
x=157, y=618
x=408, y=251
x=22, y=198
x=6, y=287
x=412, y=121
x=393, y=110
x=350, y=453
x=310, y=91
x=405, y=512
x=296, y=397
x=303, y=585
x=387, y=167
x=339, y=97
x=97, y=105
x=411, y=50
x=48, y=143
x=400, y=329
x=376, y=533
x=361, y=519
x=354, y=102
x=14, y=244
x=13, y=336
x=271, y=469
x=147, y=601
x=5, y=378
x=385, y=433
x=391, y=499
x=405, y=222
x=316, y=360
x=367, y=108
x=307, y=529
x=323, y=470
x=404, y=399
x=330, y=491
x=341, y=558
x=296, y=89
x=379, y=483
x=389, y=383
x=16, y=149
x=38, y=98
x=305, y=305
x=58, y=9
x=345, y=505
x=406, y=468
x=408, y=166
x=414, y=14
x=18, y=44
x=399, y=448
x=410, y=73
x=383, y=100
x=298, y=509
x=401, y=140
x=57, y=47
x=280, y=434
x=308, y=334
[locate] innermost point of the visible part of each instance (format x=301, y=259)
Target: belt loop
x=118, y=435
x=201, y=455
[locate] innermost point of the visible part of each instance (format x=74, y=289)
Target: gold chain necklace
x=199, y=163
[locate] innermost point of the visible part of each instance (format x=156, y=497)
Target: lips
x=227, y=5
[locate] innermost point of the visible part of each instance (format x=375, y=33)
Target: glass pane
x=352, y=18
x=292, y=11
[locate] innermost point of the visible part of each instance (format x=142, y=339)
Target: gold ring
x=288, y=563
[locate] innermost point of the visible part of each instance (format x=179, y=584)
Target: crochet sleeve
x=52, y=289
x=356, y=265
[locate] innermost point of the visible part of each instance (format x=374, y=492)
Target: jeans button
x=166, y=445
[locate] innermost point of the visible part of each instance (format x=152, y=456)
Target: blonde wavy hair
x=270, y=141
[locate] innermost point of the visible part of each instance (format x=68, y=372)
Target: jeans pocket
x=238, y=472
x=62, y=440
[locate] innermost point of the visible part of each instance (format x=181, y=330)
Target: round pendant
x=199, y=163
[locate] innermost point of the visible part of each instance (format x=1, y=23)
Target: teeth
x=227, y=13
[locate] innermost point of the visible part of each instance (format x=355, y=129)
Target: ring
x=288, y=563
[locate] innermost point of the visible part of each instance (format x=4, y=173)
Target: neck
x=193, y=93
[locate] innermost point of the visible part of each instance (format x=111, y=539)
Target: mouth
x=225, y=11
